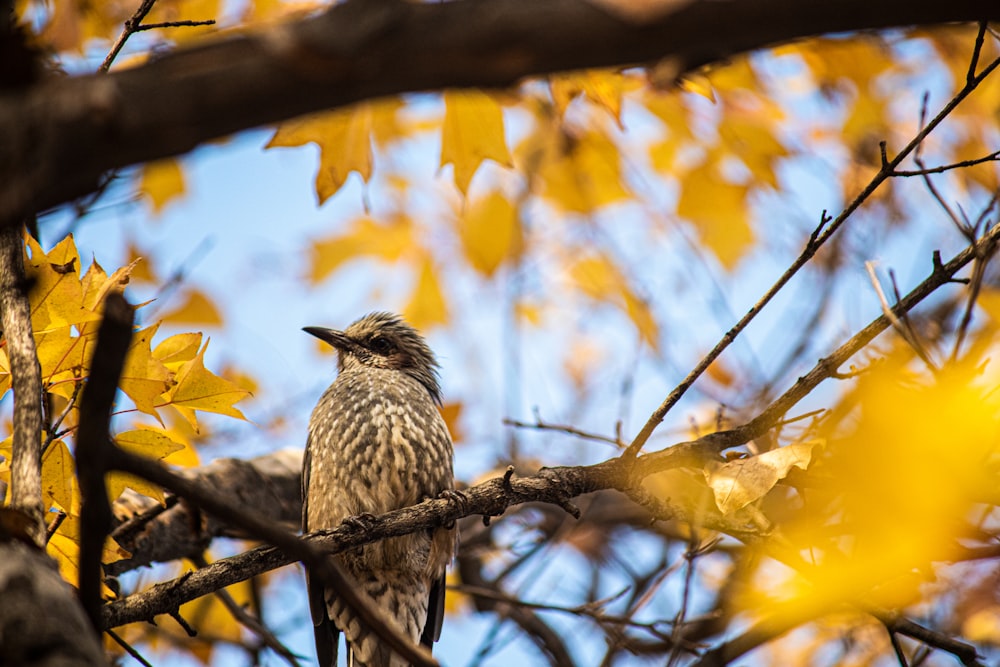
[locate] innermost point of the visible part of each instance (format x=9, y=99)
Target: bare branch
x=15, y=316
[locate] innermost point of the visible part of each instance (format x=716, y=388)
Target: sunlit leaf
x=147, y=442
x=172, y=352
x=740, y=482
x=196, y=308
x=144, y=377
x=58, y=476
x=344, y=138
x=56, y=296
x=473, y=131
x=602, y=87
x=720, y=211
x=162, y=181
x=198, y=388
x=580, y=173
x=64, y=547
x=365, y=237
x=490, y=232
x=426, y=306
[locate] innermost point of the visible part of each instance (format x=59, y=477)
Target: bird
x=377, y=442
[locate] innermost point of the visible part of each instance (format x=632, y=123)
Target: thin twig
x=542, y=425
x=906, y=332
x=128, y=648
x=248, y=620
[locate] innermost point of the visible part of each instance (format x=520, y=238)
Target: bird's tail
x=403, y=603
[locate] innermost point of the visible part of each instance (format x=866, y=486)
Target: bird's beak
x=335, y=338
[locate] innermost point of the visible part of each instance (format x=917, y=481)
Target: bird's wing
x=435, y=613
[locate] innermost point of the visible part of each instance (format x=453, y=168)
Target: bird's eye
x=380, y=345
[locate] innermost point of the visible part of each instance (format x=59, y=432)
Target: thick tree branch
x=57, y=138
x=15, y=316
x=267, y=486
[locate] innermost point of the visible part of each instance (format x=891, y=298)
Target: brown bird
x=377, y=443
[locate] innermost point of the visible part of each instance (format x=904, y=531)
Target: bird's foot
x=363, y=521
x=456, y=498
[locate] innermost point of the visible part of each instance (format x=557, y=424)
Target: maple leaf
x=198, y=388
x=426, y=306
x=148, y=442
x=598, y=277
x=63, y=358
x=604, y=88
x=344, y=138
x=162, y=181
x=174, y=351
x=490, y=232
x=144, y=378
x=64, y=547
x=59, y=478
x=365, y=237
x=473, y=131
x=580, y=172
x=196, y=308
x=56, y=296
x=720, y=211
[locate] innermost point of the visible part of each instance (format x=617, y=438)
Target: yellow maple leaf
x=580, y=173
x=364, y=237
x=162, y=181
x=5, y=377
x=198, y=388
x=58, y=477
x=750, y=133
x=698, y=84
x=452, y=412
x=177, y=349
x=598, y=277
x=144, y=378
x=604, y=88
x=196, y=308
x=63, y=358
x=473, y=131
x=64, y=547
x=490, y=231
x=426, y=306
x=97, y=284
x=720, y=211
x=151, y=443
x=56, y=296
x=142, y=266
x=344, y=138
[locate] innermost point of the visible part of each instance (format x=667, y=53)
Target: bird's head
x=384, y=340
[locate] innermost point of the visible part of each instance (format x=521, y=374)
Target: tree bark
x=58, y=137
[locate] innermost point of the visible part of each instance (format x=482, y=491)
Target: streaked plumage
x=376, y=443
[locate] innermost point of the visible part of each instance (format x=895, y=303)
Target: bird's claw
x=456, y=498
x=363, y=521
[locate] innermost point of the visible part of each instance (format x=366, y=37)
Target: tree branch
x=57, y=138
x=26, y=377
